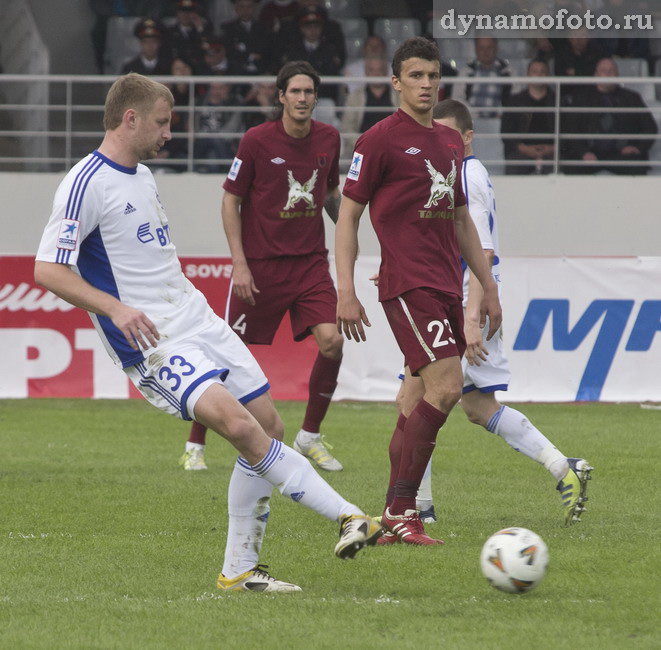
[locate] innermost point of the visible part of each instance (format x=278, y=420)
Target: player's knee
x=331, y=347
x=275, y=427
x=239, y=430
x=447, y=398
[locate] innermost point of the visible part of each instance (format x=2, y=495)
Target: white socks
x=191, y=446
x=304, y=437
x=517, y=431
x=248, y=499
x=294, y=477
x=249, y=490
x=423, y=500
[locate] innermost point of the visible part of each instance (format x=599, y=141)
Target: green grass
x=106, y=543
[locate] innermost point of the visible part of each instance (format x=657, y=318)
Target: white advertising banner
x=585, y=329
x=575, y=329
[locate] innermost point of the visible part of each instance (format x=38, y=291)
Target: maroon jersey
x=411, y=177
x=283, y=182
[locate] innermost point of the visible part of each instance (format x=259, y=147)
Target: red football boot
x=408, y=528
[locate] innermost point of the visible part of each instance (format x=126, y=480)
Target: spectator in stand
x=103, y=10
x=274, y=12
x=577, y=56
x=486, y=64
x=263, y=96
x=538, y=151
x=218, y=117
x=356, y=118
x=189, y=32
x=311, y=46
x=607, y=96
x=177, y=147
x=154, y=57
x=249, y=43
x=215, y=57
x=331, y=32
x=374, y=46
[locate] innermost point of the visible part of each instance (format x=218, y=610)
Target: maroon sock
x=323, y=380
x=395, y=453
x=198, y=433
x=419, y=440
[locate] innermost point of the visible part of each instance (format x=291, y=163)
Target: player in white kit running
x=485, y=375
x=107, y=249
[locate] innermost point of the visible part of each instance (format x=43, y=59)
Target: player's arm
x=332, y=203
x=243, y=284
x=475, y=349
x=471, y=251
x=350, y=312
x=68, y=285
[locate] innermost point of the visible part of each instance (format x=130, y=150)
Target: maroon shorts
x=428, y=325
x=301, y=285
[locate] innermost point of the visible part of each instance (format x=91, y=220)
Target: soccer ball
x=514, y=560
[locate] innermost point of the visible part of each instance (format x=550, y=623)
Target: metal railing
x=68, y=124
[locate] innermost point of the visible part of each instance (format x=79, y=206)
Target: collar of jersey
x=114, y=165
x=471, y=157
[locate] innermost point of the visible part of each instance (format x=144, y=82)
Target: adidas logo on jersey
x=129, y=208
x=412, y=151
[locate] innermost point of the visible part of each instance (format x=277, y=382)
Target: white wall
x=538, y=216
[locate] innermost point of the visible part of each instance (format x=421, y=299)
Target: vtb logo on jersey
x=440, y=187
x=300, y=192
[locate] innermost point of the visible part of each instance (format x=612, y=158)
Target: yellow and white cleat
x=256, y=579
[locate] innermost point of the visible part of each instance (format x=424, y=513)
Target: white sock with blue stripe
x=518, y=432
x=294, y=477
x=248, y=498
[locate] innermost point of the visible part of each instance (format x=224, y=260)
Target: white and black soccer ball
x=514, y=560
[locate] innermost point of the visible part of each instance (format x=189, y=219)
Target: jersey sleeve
x=76, y=212
x=478, y=195
x=242, y=171
x=367, y=167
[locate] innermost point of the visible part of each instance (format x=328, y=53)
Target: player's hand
x=243, y=284
x=375, y=278
x=490, y=308
x=350, y=318
x=138, y=330
x=475, y=348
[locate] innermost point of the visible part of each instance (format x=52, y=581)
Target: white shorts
x=174, y=376
x=491, y=375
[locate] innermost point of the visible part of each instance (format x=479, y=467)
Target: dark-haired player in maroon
x=408, y=169
x=284, y=173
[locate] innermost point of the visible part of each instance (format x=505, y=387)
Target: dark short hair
x=538, y=59
x=415, y=47
x=456, y=109
x=291, y=69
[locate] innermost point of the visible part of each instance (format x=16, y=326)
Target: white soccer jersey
x=481, y=204
x=109, y=223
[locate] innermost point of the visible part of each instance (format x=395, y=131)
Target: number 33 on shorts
x=168, y=379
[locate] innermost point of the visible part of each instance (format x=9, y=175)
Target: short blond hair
x=132, y=91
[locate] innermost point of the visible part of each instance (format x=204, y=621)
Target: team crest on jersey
x=68, y=236
x=440, y=185
x=454, y=149
x=321, y=159
x=300, y=191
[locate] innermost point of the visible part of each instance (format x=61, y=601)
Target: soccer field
x=107, y=543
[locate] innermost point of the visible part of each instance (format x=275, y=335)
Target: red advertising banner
x=50, y=349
